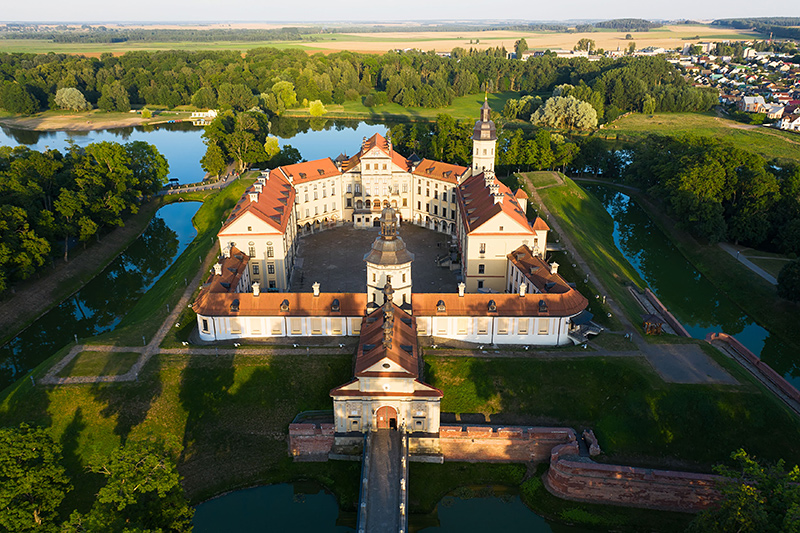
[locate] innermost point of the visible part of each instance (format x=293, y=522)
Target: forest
x=224, y=79
x=51, y=201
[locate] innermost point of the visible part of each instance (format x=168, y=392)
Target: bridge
x=384, y=483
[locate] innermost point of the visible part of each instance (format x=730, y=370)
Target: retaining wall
x=579, y=478
x=762, y=367
x=310, y=442
x=669, y=317
x=501, y=444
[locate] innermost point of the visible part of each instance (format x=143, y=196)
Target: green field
x=99, y=364
x=462, y=108
x=637, y=417
x=768, y=142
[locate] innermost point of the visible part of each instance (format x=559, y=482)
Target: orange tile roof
x=521, y=194
x=379, y=141
x=477, y=204
x=537, y=271
x=274, y=205
x=565, y=304
x=441, y=171
x=269, y=304
x=403, y=349
x=232, y=269
x=308, y=171
x=539, y=224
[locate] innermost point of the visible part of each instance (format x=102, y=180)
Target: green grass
x=773, y=265
x=99, y=364
x=613, y=341
x=462, y=108
x=228, y=415
x=638, y=418
x=541, y=178
x=768, y=142
x=590, y=229
x=151, y=310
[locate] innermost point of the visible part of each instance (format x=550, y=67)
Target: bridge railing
x=403, y=482
x=361, y=525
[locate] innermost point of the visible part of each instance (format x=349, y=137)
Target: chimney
x=254, y=196
x=488, y=178
x=461, y=288
x=262, y=179
x=256, y=289
x=554, y=268
x=227, y=251
x=522, y=289
x=315, y=288
x=258, y=187
x=498, y=197
x=217, y=269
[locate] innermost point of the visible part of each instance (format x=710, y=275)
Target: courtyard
x=335, y=258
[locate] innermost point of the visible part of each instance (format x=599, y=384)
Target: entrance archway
x=386, y=417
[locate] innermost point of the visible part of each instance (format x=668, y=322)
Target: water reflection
x=103, y=302
x=694, y=300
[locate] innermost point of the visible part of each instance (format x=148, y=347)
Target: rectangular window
x=444, y=212
x=435, y=195
x=236, y=327
x=336, y=326
x=324, y=208
x=333, y=206
x=358, y=188
x=384, y=166
x=435, y=209
x=453, y=197
x=356, y=323
x=255, y=269
x=483, y=326
x=462, y=325
x=480, y=283
x=502, y=326
x=441, y=326
x=205, y=325
x=481, y=269
x=427, y=192
x=296, y=325
x=272, y=284
x=255, y=326
x=405, y=202
x=522, y=326
x=316, y=210
x=251, y=251
x=427, y=208
x=316, y=326
x=270, y=268
x=315, y=195
x=419, y=206
x=277, y=326
x=349, y=187
x=419, y=189
x=349, y=202
x=308, y=213
x=483, y=248
x=405, y=187
x=333, y=190
x=544, y=326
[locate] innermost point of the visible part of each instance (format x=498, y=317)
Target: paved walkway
x=746, y=262
x=383, y=495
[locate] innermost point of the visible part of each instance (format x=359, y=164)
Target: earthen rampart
x=579, y=478
x=501, y=444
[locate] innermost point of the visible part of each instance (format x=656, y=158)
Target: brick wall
x=512, y=444
x=579, y=478
x=669, y=317
x=310, y=442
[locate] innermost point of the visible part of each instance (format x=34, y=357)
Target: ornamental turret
x=484, y=140
x=389, y=262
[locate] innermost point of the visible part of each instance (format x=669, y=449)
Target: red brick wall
x=579, y=478
x=310, y=441
x=512, y=444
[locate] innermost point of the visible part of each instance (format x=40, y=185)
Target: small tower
x=484, y=139
x=388, y=262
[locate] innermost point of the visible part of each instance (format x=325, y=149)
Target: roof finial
x=388, y=313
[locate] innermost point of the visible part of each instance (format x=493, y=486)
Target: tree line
x=141, y=491
x=224, y=79
x=48, y=200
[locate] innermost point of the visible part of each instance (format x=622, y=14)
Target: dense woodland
x=29, y=83
x=781, y=27
x=48, y=200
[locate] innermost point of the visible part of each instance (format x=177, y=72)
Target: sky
x=359, y=11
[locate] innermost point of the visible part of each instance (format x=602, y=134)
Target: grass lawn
x=614, y=342
x=771, y=265
x=541, y=178
x=99, y=364
x=768, y=142
x=151, y=310
x=590, y=229
x=226, y=417
x=462, y=108
x=638, y=418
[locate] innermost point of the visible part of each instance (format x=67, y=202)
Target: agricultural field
x=380, y=42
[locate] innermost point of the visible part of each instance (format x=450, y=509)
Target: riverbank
x=85, y=121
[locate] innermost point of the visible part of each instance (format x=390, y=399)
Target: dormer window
x=335, y=306
x=235, y=306
x=285, y=306
x=542, y=306
x=492, y=306
x=440, y=307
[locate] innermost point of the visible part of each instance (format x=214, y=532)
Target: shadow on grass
x=85, y=483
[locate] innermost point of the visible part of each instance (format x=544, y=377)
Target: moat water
x=304, y=507
x=690, y=296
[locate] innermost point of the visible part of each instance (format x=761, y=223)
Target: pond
x=693, y=299
x=304, y=507
x=182, y=143
x=103, y=302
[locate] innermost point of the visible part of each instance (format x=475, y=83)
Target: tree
x=146, y=113
x=585, y=44
x=72, y=99
x=628, y=37
x=16, y=98
x=284, y=93
x=565, y=113
x=520, y=47
x=789, y=281
x=33, y=482
x=150, y=169
x=631, y=48
x=236, y=96
x=214, y=161
x=271, y=147
x=27, y=249
x=142, y=492
x=756, y=498
x=204, y=98
x=114, y=97
x=316, y=109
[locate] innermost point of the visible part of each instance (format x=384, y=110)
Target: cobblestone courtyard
x=335, y=258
